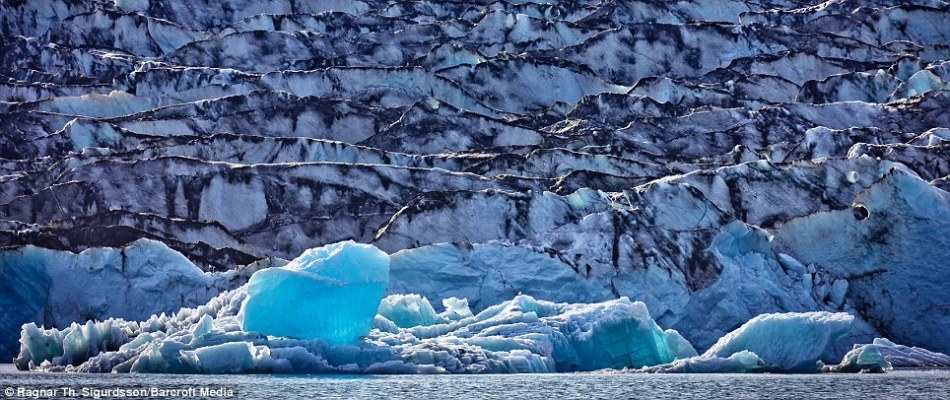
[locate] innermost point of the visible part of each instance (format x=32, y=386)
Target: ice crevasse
x=324, y=312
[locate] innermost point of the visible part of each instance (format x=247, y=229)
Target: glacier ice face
x=489, y=273
x=330, y=293
x=789, y=342
x=895, y=251
x=57, y=288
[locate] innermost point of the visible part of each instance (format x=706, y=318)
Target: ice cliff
x=715, y=161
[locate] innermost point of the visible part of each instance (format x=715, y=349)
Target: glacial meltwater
x=924, y=384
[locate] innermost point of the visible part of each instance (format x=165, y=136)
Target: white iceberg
x=225, y=358
x=782, y=342
x=455, y=309
x=910, y=357
x=580, y=337
x=329, y=293
x=883, y=355
x=786, y=342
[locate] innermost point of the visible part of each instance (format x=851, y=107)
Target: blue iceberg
x=329, y=293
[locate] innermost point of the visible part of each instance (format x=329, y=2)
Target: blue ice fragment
x=409, y=310
x=329, y=293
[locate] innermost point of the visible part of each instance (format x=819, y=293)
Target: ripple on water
x=900, y=384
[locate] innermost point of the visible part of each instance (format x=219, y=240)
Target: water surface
x=928, y=384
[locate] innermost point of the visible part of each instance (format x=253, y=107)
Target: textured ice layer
x=905, y=356
x=329, y=293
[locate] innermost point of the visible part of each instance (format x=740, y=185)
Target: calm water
x=931, y=384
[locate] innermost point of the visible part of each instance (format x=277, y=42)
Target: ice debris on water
x=324, y=313
x=316, y=314
x=883, y=355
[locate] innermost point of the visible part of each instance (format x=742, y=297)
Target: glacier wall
x=714, y=160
